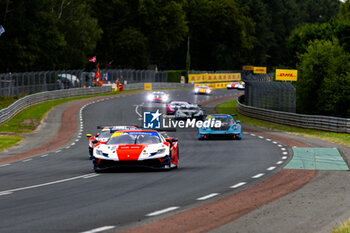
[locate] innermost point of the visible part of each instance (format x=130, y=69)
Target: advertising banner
x=248, y=68
x=148, y=86
x=286, y=75
x=259, y=70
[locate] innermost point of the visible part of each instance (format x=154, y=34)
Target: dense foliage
x=172, y=34
x=322, y=52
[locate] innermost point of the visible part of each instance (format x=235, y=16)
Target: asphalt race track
x=59, y=192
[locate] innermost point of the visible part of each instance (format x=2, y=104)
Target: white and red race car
x=146, y=148
x=103, y=135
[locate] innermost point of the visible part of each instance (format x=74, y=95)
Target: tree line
x=219, y=34
x=312, y=36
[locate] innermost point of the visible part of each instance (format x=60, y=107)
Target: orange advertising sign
x=286, y=75
x=248, y=67
x=148, y=86
x=259, y=70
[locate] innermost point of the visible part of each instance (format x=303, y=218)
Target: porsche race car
x=126, y=148
x=103, y=135
x=228, y=127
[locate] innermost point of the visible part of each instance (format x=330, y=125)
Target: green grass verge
x=343, y=228
x=7, y=101
x=28, y=119
x=8, y=141
x=230, y=107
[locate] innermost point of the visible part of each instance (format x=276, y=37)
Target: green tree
x=131, y=49
x=220, y=32
x=323, y=85
x=344, y=11
x=80, y=30
x=32, y=40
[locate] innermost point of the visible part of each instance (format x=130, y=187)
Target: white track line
x=284, y=157
x=207, y=196
x=268, y=139
x=46, y=184
x=274, y=142
x=285, y=153
x=96, y=230
x=4, y=165
x=271, y=168
x=261, y=137
x=283, y=148
x=90, y=176
x=43, y=156
x=238, y=185
x=279, y=162
x=158, y=212
x=252, y=134
x=58, y=151
x=258, y=175
x=26, y=160
x=279, y=145
x=5, y=193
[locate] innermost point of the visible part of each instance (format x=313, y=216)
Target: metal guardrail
x=326, y=123
x=19, y=105
x=140, y=86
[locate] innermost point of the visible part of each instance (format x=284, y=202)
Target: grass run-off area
x=28, y=119
x=343, y=228
x=230, y=107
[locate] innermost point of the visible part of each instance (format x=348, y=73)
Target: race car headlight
x=150, y=97
x=235, y=126
x=208, y=91
x=196, y=90
x=166, y=98
x=161, y=151
x=99, y=152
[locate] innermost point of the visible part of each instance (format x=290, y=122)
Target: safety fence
x=19, y=105
x=13, y=84
x=326, y=123
x=278, y=96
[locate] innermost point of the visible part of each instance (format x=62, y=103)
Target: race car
x=227, y=128
x=241, y=86
x=103, y=135
x=202, y=90
x=173, y=104
x=146, y=148
x=189, y=111
x=233, y=85
x=158, y=96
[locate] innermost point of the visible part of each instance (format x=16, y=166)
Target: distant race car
x=103, y=135
x=233, y=85
x=158, y=96
x=173, y=104
x=189, y=111
x=146, y=148
x=202, y=90
x=241, y=86
x=229, y=127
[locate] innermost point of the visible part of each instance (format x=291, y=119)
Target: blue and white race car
x=228, y=127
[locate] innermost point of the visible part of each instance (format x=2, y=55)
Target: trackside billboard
x=286, y=75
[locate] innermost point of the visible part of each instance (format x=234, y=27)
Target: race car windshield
x=224, y=121
x=105, y=134
x=147, y=139
x=135, y=138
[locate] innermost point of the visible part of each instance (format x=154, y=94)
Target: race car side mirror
x=88, y=135
x=94, y=141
